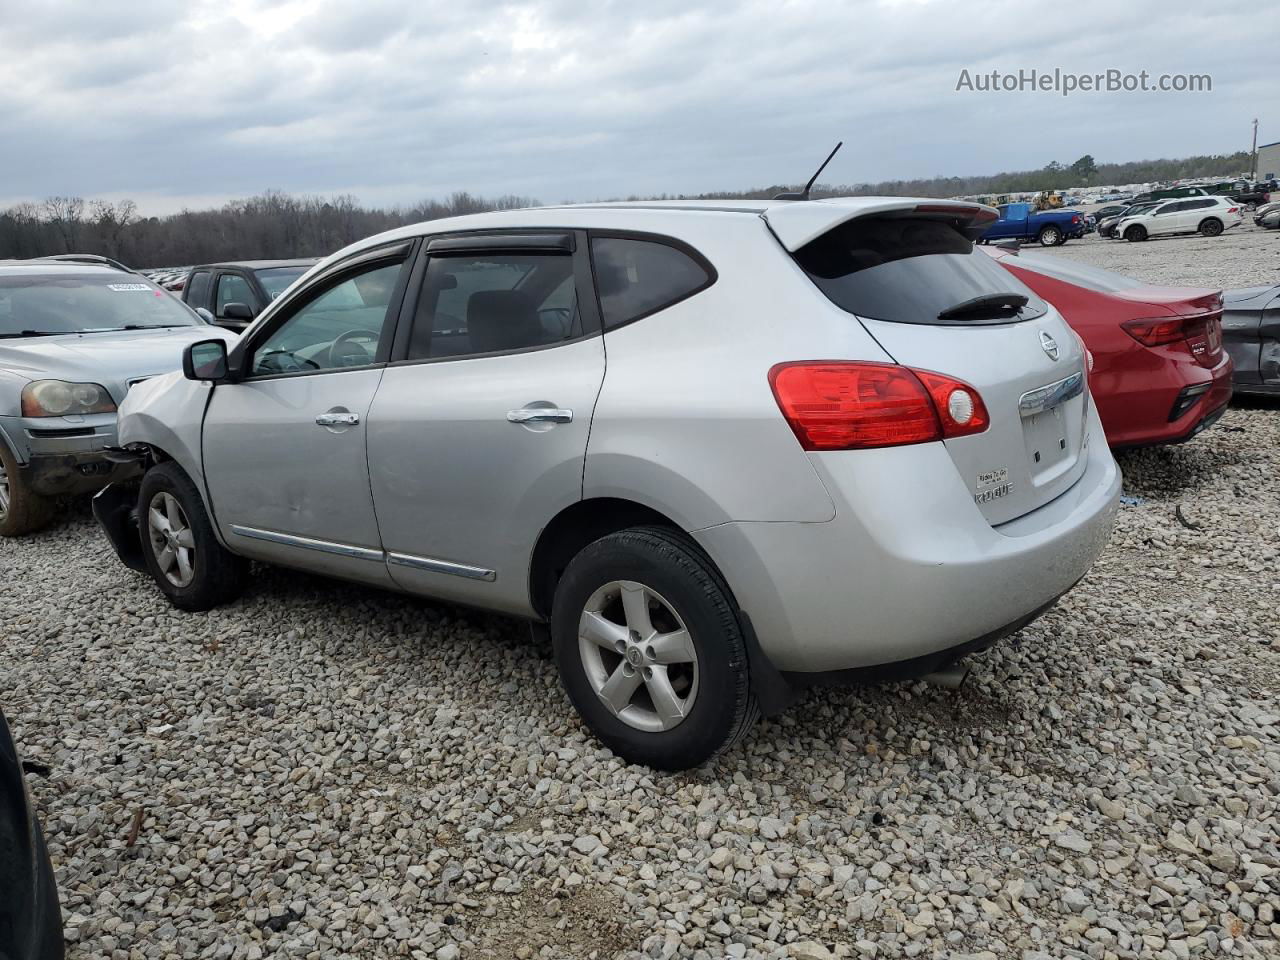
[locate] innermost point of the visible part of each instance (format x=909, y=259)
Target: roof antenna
x=804, y=194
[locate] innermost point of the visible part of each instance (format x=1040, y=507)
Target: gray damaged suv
x=75, y=337
x=725, y=450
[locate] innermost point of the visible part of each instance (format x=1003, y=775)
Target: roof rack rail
x=92, y=258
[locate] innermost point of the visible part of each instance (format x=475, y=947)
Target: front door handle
x=540, y=415
x=338, y=419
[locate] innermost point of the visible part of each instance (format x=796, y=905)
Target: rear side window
x=494, y=303
x=198, y=289
x=638, y=277
x=908, y=270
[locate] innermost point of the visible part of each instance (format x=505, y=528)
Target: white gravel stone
x=323, y=770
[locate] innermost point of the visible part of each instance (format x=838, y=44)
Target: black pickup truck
x=232, y=294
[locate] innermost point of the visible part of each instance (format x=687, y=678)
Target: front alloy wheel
x=638, y=656
x=172, y=542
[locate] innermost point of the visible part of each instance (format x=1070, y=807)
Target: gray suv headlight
x=57, y=398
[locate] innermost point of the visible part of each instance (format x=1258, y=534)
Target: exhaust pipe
x=950, y=678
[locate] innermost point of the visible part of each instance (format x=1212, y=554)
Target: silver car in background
x=724, y=450
x=75, y=335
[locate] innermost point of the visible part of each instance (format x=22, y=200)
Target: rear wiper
x=30, y=333
x=989, y=305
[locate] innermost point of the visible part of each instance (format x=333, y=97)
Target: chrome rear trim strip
x=1048, y=397
x=441, y=566
x=308, y=543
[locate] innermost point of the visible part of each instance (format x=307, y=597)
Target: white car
x=1204, y=215
x=831, y=442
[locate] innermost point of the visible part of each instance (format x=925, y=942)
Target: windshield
x=913, y=270
x=275, y=280
x=60, y=302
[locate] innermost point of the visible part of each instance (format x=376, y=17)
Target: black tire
x=1136, y=233
x=665, y=561
x=219, y=576
x=1210, y=227
x=1064, y=239
x=27, y=512
x=1049, y=236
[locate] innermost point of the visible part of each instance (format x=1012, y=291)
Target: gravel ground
x=322, y=770
x=1244, y=256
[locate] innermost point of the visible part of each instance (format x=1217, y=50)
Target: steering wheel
x=341, y=353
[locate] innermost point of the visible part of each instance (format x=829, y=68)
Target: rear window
x=638, y=277
x=1071, y=271
x=908, y=270
x=275, y=280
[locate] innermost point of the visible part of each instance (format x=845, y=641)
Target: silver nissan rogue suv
x=723, y=449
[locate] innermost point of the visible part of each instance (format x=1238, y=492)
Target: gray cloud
x=394, y=100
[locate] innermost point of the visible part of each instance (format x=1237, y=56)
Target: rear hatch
x=911, y=276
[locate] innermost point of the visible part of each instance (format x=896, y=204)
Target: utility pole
x=1253, y=163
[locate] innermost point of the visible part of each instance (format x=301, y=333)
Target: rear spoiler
x=797, y=223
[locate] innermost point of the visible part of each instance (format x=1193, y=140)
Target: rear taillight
x=845, y=405
x=1202, y=335
x=1076, y=218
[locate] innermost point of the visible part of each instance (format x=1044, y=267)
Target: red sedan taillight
x=845, y=405
x=1202, y=334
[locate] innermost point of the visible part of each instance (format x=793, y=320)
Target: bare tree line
x=277, y=224
x=270, y=225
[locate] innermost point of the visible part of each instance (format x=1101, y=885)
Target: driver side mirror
x=237, y=311
x=205, y=360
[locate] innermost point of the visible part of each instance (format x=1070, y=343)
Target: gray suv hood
x=110, y=359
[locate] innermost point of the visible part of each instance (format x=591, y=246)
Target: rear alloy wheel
x=650, y=650
x=179, y=546
x=1210, y=227
x=21, y=511
x=1136, y=234
x=1050, y=237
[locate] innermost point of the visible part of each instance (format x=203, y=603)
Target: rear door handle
x=540, y=415
x=338, y=419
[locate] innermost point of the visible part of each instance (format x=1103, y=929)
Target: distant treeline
x=269, y=226
x=278, y=224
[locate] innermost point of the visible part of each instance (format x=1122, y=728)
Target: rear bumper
x=1169, y=409
x=909, y=568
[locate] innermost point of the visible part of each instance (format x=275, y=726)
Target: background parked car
x=30, y=918
x=1159, y=373
x=1269, y=219
x=232, y=294
x=1251, y=331
x=1049, y=228
x=722, y=516
x=74, y=338
x=1107, y=226
x=1208, y=216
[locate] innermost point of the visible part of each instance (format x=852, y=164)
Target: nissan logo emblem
x=1050, y=345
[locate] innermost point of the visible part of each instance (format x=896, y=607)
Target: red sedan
x=1159, y=372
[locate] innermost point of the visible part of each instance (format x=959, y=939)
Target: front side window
x=233, y=288
x=476, y=303
x=63, y=301
x=638, y=277
x=340, y=328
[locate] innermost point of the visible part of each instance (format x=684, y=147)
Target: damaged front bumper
x=115, y=506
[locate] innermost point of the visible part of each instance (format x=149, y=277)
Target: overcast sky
x=190, y=104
